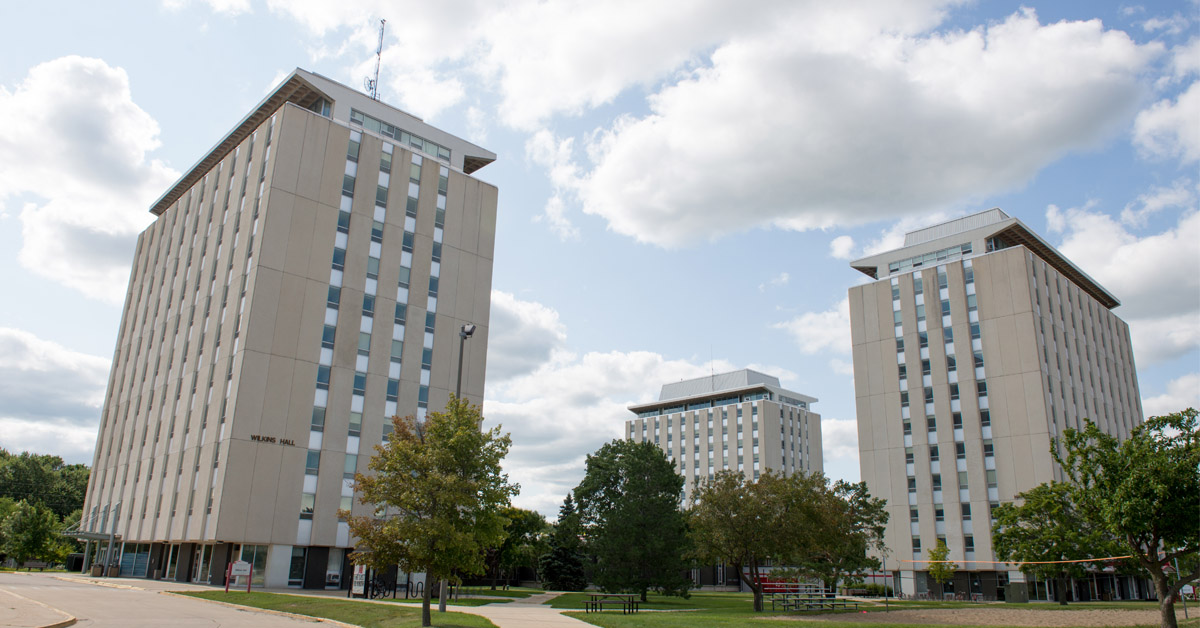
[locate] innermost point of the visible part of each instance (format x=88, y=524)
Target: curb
x=97, y=583
x=252, y=609
x=69, y=621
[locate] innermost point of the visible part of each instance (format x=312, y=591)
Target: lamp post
x=464, y=332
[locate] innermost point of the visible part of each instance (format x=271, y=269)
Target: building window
x=966, y=512
x=313, y=462
x=960, y=451
x=307, y=502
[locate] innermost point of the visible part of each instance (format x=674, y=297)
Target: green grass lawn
x=734, y=610
x=465, y=601
x=351, y=612
x=513, y=592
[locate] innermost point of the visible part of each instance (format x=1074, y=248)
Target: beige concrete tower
x=731, y=421
x=977, y=344
x=304, y=281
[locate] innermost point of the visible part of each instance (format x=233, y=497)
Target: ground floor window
x=256, y=555
x=333, y=568
x=296, y=569
x=135, y=559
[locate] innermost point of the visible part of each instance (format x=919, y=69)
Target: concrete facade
x=977, y=344
x=305, y=281
x=741, y=420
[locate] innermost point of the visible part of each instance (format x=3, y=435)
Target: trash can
x=97, y=571
x=114, y=571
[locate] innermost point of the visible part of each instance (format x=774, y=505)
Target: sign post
x=359, y=584
x=236, y=569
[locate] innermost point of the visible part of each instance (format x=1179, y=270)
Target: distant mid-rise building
x=743, y=421
x=975, y=344
x=303, y=282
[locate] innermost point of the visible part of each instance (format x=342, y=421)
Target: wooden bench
x=807, y=602
x=597, y=601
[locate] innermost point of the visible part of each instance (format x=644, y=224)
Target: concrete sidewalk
x=531, y=612
x=21, y=612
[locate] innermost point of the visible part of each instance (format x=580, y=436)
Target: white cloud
x=78, y=163
x=523, y=335
x=1173, y=25
x=1171, y=129
x=228, y=7
x=49, y=395
x=839, y=440
x=1178, y=196
x=815, y=332
x=1182, y=393
x=774, y=282
x=876, y=125
x=545, y=150
x=842, y=247
x=1185, y=58
x=1154, y=276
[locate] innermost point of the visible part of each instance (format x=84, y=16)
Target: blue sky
x=682, y=185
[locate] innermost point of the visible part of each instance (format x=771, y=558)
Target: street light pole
x=464, y=332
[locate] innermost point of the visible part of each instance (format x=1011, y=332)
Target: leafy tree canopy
x=30, y=532
x=1144, y=491
x=439, y=492
x=941, y=570
x=561, y=568
x=43, y=479
x=629, y=504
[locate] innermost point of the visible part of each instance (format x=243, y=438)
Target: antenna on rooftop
x=372, y=84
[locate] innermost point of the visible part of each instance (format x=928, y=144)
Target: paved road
x=112, y=607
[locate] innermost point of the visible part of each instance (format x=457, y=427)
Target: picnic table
x=596, y=602
x=808, y=602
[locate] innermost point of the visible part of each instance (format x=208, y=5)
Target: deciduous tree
x=850, y=525
x=745, y=523
x=30, y=533
x=940, y=569
x=1144, y=491
x=1045, y=529
x=438, y=490
x=629, y=505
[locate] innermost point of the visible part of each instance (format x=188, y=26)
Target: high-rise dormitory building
x=742, y=421
x=977, y=343
x=304, y=281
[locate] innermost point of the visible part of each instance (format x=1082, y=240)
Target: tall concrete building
x=304, y=281
x=977, y=343
x=741, y=420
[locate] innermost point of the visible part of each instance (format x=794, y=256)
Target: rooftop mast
x=372, y=84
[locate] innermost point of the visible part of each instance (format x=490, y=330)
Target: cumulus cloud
x=523, y=335
x=1182, y=393
x=1179, y=195
x=1171, y=128
x=49, y=395
x=815, y=332
x=1153, y=275
x=879, y=125
x=78, y=164
x=842, y=247
x=553, y=154
x=839, y=440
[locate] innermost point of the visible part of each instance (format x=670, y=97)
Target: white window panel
x=432, y=305
x=352, y=444
x=428, y=340
x=416, y=159
x=398, y=332
x=356, y=403
x=347, y=487
x=437, y=234
x=387, y=147
x=380, y=215
x=339, y=240
x=371, y=287
x=424, y=377
x=321, y=399
x=331, y=316
x=304, y=532
x=435, y=269
x=389, y=410
x=441, y=201
x=326, y=356
x=347, y=202
x=352, y=168
x=360, y=363
x=376, y=250
x=366, y=324
x=394, y=369
x=410, y=224
x=343, y=534
x=920, y=299
x=443, y=171
x=383, y=179
x=406, y=259
x=310, y=483
x=401, y=295
x=413, y=189
x=335, y=278
x=314, y=440
x=356, y=136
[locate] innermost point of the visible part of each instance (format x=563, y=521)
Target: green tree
x=524, y=541
x=561, y=568
x=439, y=490
x=7, y=507
x=629, y=505
x=1047, y=526
x=850, y=525
x=1144, y=491
x=941, y=569
x=43, y=479
x=745, y=524
x=30, y=534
